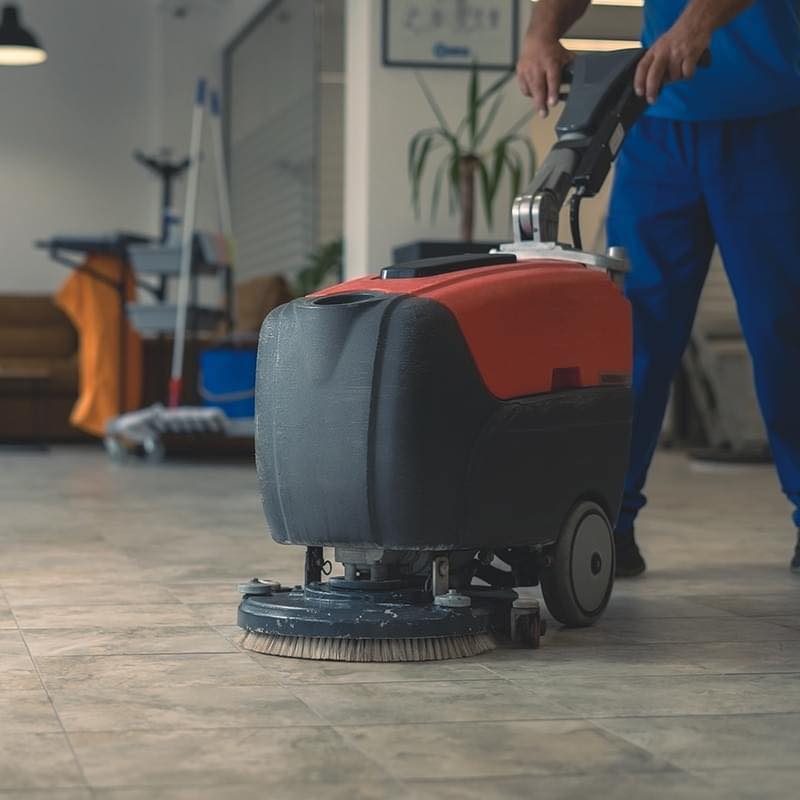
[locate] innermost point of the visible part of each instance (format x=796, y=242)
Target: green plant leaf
x=519, y=123
x=418, y=168
x=487, y=193
x=437, y=111
x=454, y=174
x=437, y=188
x=472, y=104
x=499, y=157
x=514, y=164
x=495, y=87
x=414, y=144
x=487, y=123
x=321, y=265
x=527, y=144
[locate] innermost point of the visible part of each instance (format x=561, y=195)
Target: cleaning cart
x=184, y=258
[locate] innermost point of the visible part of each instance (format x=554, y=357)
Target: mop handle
x=226, y=224
x=184, y=278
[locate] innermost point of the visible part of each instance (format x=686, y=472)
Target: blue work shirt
x=755, y=66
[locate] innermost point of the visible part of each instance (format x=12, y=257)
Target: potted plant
x=323, y=266
x=468, y=153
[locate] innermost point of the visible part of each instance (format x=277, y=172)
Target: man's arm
x=675, y=54
x=543, y=57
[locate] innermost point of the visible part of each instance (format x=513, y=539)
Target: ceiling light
x=594, y=45
x=18, y=46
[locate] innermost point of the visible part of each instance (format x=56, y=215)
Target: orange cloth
x=94, y=308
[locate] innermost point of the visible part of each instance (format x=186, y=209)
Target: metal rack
x=209, y=259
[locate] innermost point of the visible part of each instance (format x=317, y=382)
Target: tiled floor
x=121, y=679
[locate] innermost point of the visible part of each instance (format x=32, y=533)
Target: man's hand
x=672, y=57
x=543, y=58
x=539, y=71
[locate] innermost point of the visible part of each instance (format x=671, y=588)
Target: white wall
x=67, y=130
x=192, y=47
x=384, y=107
x=119, y=76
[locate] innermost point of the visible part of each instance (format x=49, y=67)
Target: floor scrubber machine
x=454, y=428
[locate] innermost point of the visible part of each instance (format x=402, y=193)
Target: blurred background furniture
x=38, y=370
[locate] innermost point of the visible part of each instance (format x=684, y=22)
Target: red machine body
x=533, y=326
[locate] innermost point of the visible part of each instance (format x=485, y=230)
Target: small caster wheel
x=116, y=450
x=577, y=584
x=527, y=627
x=153, y=449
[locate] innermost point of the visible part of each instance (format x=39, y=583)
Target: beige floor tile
x=7, y=621
x=94, y=592
x=434, y=701
x=665, y=785
x=127, y=672
x=12, y=643
x=46, y=794
x=704, y=630
x=643, y=696
x=180, y=707
x=216, y=613
x=17, y=673
x=71, y=563
x=498, y=749
x=711, y=627
x=292, y=671
x=36, y=761
x=286, y=790
x=745, y=657
x=615, y=659
x=792, y=622
x=125, y=641
x=222, y=592
x=755, y=605
x=774, y=783
x=716, y=742
x=108, y=616
x=26, y=711
x=635, y=606
x=207, y=758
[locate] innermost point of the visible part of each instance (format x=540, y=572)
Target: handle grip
x=567, y=71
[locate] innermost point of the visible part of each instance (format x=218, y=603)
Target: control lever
x=601, y=106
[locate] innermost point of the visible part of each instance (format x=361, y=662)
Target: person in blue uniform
x=715, y=161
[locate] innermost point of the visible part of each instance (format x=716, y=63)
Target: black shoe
x=795, y=562
x=628, y=558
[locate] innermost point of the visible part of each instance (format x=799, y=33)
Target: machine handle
x=567, y=71
x=600, y=109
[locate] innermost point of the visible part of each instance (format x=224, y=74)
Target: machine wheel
x=577, y=585
x=153, y=450
x=116, y=450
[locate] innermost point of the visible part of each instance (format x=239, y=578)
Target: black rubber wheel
x=577, y=584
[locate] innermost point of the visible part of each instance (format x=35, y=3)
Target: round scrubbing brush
x=368, y=650
x=327, y=622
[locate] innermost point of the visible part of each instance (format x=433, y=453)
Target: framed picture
x=450, y=34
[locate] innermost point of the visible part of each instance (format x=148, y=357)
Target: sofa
x=38, y=370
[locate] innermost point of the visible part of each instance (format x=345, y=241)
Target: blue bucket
x=228, y=380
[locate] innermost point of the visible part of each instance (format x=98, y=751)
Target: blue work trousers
x=679, y=189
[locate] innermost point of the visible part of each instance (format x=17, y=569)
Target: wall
x=190, y=47
x=384, y=107
x=67, y=131
x=119, y=76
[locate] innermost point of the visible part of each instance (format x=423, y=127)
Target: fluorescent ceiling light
x=587, y=45
x=613, y=2
x=18, y=46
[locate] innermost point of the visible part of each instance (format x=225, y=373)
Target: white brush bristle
x=368, y=650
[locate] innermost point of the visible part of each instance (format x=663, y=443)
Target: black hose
x=575, y=219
